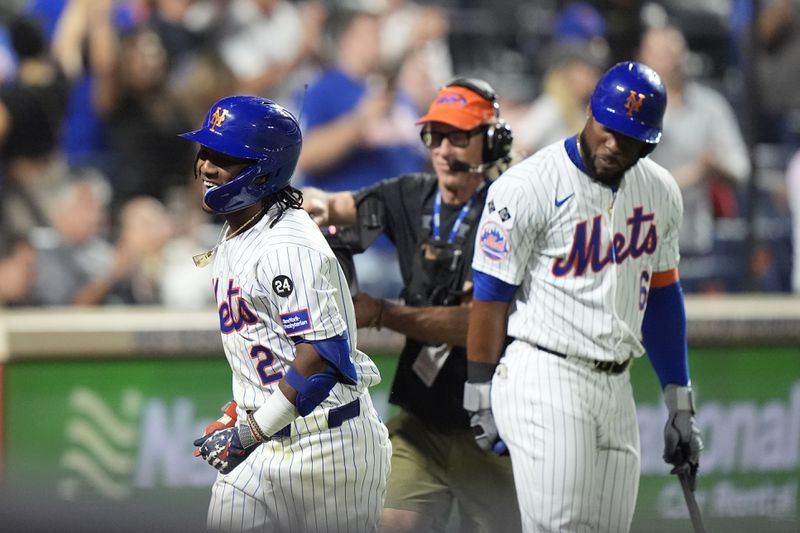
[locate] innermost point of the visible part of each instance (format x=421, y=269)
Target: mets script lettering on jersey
x=586, y=250
x=632, y=104
x=230, y=320
x=218, y=118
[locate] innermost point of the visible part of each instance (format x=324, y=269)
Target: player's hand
x=485, y=432
x=478, y=405
x=369, y=310
x=224, y=449
x=227, y=420
x=682, y=440
x=315, y=203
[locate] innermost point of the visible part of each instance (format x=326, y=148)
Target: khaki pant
x=433, y=470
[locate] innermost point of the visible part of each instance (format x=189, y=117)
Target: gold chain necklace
x=202, y=260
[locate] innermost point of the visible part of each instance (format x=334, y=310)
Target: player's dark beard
x=588, y=161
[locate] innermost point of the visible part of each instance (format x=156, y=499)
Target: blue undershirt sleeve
x=664, y=334
x=488, y=288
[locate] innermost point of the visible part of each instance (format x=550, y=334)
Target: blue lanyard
x=437, y=210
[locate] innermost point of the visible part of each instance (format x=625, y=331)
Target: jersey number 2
x=263, y=364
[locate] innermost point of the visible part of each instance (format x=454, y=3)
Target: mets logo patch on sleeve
x=296, y=321
x=494, y=242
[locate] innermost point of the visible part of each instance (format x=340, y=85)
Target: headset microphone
x=456, y=165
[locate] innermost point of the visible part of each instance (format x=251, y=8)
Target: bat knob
x=681, y=469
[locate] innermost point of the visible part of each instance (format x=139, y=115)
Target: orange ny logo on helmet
x=632, y=104
x=218, y=118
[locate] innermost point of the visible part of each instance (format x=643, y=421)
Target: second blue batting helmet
x=254, y=128
x=630, y=99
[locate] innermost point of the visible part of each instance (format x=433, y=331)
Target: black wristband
x=478, y=372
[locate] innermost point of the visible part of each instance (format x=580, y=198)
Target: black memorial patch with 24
x=282, y=285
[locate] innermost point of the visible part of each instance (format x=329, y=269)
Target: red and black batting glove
x=227, y=420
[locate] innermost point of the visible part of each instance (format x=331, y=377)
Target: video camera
x=346, y=241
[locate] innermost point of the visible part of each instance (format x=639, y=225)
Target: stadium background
x=100, y=405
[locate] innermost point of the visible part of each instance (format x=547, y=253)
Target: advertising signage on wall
x=749, y=412
x=119, y=433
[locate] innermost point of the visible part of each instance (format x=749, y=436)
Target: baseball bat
x=691, y=502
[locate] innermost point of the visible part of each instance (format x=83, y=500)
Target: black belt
x=609, y=367
x=336, y=417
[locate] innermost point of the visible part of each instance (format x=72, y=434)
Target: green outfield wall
x=110, y=439
x=99, y=407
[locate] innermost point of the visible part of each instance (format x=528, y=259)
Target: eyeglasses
x=458, y=138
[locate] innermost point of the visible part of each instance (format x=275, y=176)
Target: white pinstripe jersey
x=272, y=284
x=548, y=227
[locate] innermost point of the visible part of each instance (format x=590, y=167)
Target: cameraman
x=432, y=220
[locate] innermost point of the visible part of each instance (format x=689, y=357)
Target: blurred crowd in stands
x=98, y=204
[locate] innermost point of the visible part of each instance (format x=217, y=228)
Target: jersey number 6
x=644, y=288
x=264, y=363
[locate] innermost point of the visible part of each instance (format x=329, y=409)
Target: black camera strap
x=440, y=267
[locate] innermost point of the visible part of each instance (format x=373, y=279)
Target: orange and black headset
x=498, y=137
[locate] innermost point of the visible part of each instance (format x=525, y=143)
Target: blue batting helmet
x=254, y=128
x=630, y=99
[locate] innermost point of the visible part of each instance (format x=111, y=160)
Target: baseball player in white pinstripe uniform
x=305, y=449
x=576, y=262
